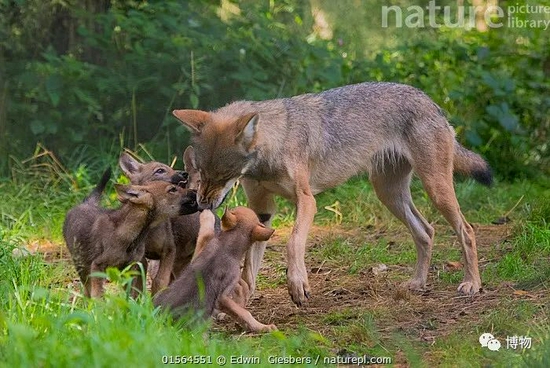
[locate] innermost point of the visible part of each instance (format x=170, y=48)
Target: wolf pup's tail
x=471, y=164
x=95, y=195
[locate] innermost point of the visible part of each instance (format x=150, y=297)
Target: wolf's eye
x=160, y=170
x=172, y=190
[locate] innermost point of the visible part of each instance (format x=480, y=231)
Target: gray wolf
x=98, y=238
x=209, y=280
x=300, y=146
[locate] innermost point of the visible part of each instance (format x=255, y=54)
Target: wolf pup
x=287, y=146
x=172, y=242
x=98, y=238
x=209, y=280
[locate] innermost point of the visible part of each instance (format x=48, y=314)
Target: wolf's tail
x=471, y=164
x=95, y=195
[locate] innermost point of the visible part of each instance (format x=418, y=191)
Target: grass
x=44, y=321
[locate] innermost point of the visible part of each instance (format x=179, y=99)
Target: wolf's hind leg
x=243, y=316
x=392, y=186
x=441, y=191
x=435, y=169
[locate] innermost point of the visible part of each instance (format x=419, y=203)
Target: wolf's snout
x=204, y=204
x=189, y=203
x=180, y=178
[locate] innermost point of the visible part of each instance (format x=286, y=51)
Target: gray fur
x=306, y=144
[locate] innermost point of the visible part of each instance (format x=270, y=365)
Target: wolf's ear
x=247, y=131
x=133, y=194
x=190, y=166
x=192, y=119
x=229, y=220
x=125, y=192
x=189, y=160
x=128, y=164
x=261, y=233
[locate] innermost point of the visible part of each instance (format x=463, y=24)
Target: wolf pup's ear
x=192, y=119
x=262, y=233
x=247, y=131
x=129, y=165
x=133, y=194
x=229, y=220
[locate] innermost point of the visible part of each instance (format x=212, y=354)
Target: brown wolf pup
x=98, y=238
x=172, y=242
x=300, y=146
x=209, y=280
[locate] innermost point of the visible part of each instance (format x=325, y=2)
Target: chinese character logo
x=488, y=341
x=514, y=342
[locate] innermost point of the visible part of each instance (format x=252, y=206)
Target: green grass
x=43, y=325
x=44, y=322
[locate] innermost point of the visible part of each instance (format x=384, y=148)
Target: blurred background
x=82, y=79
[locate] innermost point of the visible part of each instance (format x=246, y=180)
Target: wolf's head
x=223, y=150
x=245, y=220
x=141, y=173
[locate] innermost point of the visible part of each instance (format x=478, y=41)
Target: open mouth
x=189, y=203
x=208, y=205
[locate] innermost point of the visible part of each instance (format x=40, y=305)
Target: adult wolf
x=300, y=146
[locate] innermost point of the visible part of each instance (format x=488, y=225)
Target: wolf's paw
x=207, y=217
x=414, y=285
x=257, y=327
x=469, y=287
x=298, y=287
x=220, y=316
x=268, y=328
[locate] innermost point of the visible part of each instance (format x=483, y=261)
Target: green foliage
x=76, y=73
x=127, y=66
x=497, y=99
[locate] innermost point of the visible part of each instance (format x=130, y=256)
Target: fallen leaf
x=378, y=269
x=453, y=266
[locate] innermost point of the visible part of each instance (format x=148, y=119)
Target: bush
x=74, y=74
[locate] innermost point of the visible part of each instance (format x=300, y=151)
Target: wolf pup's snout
x=189, y=203
x=180, y=178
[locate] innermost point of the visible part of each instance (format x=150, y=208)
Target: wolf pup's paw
x=268, y=328
x=207, y=218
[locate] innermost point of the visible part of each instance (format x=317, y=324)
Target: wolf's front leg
x=263, y=203
x=298, y=285
x=166, y=264
x=206, y=231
